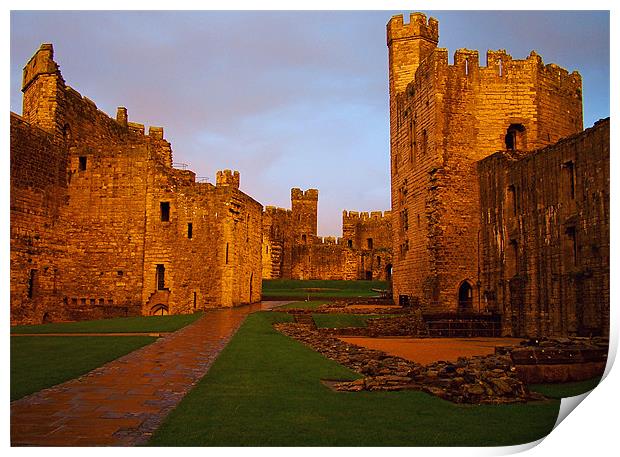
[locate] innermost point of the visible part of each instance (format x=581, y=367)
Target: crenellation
x=292, y=249
x=443, y=120
x=108, y=210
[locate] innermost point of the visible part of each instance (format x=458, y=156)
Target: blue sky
x=290, y=99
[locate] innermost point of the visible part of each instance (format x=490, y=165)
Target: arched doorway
x=46, y=318
x=466, y=297
x=388, y=272
x=159, y=310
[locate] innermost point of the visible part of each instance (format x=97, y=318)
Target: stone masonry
x=444, y=119
x=292, y=249
x=545, y=236
x=103, y=225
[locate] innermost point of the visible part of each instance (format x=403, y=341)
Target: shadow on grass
x=265, y=390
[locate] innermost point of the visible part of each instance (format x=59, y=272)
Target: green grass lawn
x=264, y=390
x=342, y=320
x=316, y=289
x=118, y=325
x=44, y=361
x=312, y=304
x=568, y=389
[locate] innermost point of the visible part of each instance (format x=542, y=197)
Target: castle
x=103, y=224
x=500, y=202
x=292, y=249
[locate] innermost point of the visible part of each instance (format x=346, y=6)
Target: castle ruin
x=103, y=224
x=523, y=233
x=292, y=249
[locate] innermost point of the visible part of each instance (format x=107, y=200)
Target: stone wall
x=292, y=249
x=88, y=235
x=544, y=217
x=443, y=119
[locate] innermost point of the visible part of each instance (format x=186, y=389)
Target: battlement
x=418, y=27
x=499, y=66
x=156, y=133
x=310, y=194
x=355, y=216
x=227, y=178
x=42, y=62
x=273, y=210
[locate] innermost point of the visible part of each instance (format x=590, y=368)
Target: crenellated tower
x=304, y=206
x=444, y=118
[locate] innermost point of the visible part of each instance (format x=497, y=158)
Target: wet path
x=124, y=401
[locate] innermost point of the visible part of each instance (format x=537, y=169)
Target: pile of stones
x=490, y=379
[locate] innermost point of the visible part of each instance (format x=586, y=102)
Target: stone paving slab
x=123, y=402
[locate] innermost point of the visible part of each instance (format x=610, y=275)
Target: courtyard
x=230, y=378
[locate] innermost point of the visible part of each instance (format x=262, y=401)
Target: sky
x=290, y=99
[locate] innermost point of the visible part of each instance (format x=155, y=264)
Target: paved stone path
x=123, y=402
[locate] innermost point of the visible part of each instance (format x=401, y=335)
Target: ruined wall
x=368, y=235
x=38, y=194
x=292, y=250
x=97, y=211
x=545, y=236
x=446, y=119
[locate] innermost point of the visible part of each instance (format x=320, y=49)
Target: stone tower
x=304, y=213
x=444, y=119
x=43, y=88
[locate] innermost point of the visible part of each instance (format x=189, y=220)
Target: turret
x=304, y=208
x=43, y=89
x=227, y=178
x=408, y=45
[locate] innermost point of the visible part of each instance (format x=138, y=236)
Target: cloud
x=290, y=99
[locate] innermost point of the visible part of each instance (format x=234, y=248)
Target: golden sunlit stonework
x=500, y=202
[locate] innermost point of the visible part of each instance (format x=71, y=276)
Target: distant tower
x=43, y=88
x=304, y=214
x=443, y=120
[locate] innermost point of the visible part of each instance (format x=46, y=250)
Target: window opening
x=160, y=271
x=164, y=208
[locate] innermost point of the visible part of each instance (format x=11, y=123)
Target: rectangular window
x=514, y=264
x=190, y=230
x=303, y=238
x=32, y=280
x=369, y=243
x=160, y=272
x=350, y=243
x=226, y=253
x=570, y=172
x=572, y=238
x=164, y=211
x=512, y=199
x=82, y=164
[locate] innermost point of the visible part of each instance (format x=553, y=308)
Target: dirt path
x=429, y=350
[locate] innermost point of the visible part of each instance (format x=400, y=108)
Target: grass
x=264, y=390
x=342, y=320
x=119, y=325
x=312, y=304
x=44, y=361
x=563, y=390
x=317, y=289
